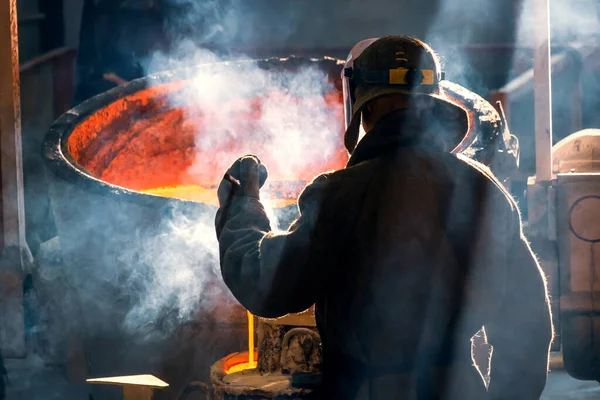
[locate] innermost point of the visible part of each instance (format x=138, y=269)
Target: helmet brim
x=452, y=107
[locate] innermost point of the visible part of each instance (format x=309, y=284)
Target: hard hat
x=390, y=65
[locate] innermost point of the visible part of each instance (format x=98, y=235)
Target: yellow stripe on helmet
x=398, y=76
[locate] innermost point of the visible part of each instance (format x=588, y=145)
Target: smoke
x=287, y=118
x=294, y=124
x=173, y=268
x=570, y=21
x=295, y=128
x=493, y=23
x=220, y=24
x=459, y=27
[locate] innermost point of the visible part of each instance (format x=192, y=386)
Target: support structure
x=542, y=93
x=541, y=189
x=16, y=257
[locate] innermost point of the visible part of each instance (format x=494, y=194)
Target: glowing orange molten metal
x=250, y=362
x=237, y=362
x=145, y=143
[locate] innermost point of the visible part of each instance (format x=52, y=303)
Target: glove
x=245, y=177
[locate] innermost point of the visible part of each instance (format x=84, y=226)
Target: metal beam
x=16, y=257
x=562, y=62
x=11, y=162
x=542, y=93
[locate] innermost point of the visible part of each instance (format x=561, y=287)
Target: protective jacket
x=407, y=253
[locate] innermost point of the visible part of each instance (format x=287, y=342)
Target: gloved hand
x=245, y=177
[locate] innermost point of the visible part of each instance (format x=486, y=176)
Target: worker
x=407, y=252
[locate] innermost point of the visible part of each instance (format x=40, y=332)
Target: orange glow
x=143, y=142
x=275, y=198
x=239, y=362
x=246, y=360
x=240, y=367
x=251, y=362
x=187, y=192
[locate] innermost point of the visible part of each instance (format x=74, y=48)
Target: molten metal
x=252, y=357
x=172, y=151
x=239, y=362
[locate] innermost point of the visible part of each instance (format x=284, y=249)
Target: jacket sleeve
x=522, y=331
x=274, y=273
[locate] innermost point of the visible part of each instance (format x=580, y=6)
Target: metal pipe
x=542, y=93
x=15, y=259
x=570, y=57
x=13, y=214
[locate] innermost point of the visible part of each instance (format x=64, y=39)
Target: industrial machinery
x=561, y=219
x=575, y=191
x=563, y=228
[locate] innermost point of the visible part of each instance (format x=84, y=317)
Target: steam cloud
x=296, y=128
x=570, y=21
x=168, y=270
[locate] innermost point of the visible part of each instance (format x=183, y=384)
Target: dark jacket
x=407, y=253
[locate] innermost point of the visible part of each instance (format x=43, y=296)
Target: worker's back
x=407, y=253
x=422, y=269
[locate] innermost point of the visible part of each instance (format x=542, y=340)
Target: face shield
x=347, y=84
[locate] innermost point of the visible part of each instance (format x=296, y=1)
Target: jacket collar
x=391, y=132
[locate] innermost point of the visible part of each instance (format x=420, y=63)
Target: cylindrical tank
x=143, y=265
x=576, y=161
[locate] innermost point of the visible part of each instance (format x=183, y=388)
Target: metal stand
x=16, y=257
